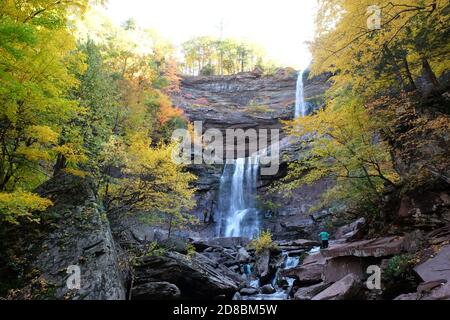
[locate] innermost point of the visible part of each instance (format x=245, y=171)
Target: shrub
x=154, y=249
x=190, y=250
x=264, y=242
x=399, y=267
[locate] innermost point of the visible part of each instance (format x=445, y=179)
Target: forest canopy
x=208, y=55
x=373, y=50
x=87, y=101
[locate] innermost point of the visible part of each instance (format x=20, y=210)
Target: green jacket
x=324, y=236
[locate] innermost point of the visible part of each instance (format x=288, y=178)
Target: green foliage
x=190, y=249
x=36, y=73
x=152, y=182
x=154, y=250
x=89, y=107
x=412, y=40
x=346, y=147
x=20, y=205
x=98, y=94
x=263, y=242
x=399, y=267
x=212, y=56
x=267, y=205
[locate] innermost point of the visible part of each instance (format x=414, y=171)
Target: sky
x=280, y=26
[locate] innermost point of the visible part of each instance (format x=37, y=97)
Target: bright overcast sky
x=280, y=26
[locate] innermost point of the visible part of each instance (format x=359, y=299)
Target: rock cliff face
x=82, y=237
x=252, y=101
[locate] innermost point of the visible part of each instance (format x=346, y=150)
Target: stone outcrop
x=248, y=291
x=225, y=242
x=296, y=247
x=308, y=293
x=437, y=267
x=309, y=272
x=347, y=288
x=196, y=276
x=155, y=291
x=376, y=248
x=337, y=268
x=436, y=290
x=251, y=101
x=350, y=230
x=82, y=238
x=245, y=100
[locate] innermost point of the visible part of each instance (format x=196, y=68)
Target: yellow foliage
x=153, y=183
x=21, y=204
x=42, y=134
x=72, y=152
x=263, y=242
x=346, y=146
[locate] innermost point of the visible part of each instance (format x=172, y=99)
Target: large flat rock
x=310, y=272
x=380, y=247
x=196, y=276
x=308, y=293
x=437, y=267
x=347, y=288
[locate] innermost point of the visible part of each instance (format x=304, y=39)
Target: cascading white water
x=239, y=217
x=300, y=105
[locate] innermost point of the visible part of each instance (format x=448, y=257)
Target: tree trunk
x=412, y=85
x=429, y=74
x=61, y=163
x=397, y=70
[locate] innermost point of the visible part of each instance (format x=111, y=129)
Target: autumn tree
x=152, y=184
x=211, y=56
x=411, y=40
x=346, y=147
x=37, y=67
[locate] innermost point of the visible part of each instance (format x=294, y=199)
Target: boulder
x=310, y=272
x=155, y=291
x=408, y=297
x=350, y=230
x=337, y=268
x=348, y=287
x=196, y=276
x=297, y=246
x=263, y=267
x=228, y=242
x=380, y=247
x=174, y=244
x=243, y=256
x=248, y=291
x=81, y=238
x=439, y=291
x=308, y=293
x=267, y=289
x=237, y=297
x=437, y=267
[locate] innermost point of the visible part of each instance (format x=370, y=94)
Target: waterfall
x=237, y=206
x=300, y=105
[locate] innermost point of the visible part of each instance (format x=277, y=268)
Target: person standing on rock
x=324, y=237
